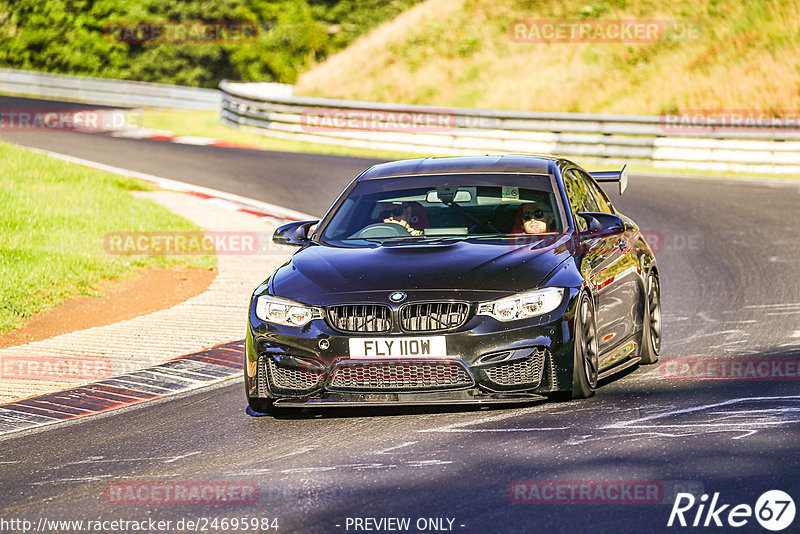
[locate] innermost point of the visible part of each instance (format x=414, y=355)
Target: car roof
x=514, y=163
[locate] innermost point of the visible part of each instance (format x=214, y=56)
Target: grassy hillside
x=459, y=53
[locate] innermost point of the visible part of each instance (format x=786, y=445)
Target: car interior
x=457, y=211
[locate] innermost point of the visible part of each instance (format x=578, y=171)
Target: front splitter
x=426, y=398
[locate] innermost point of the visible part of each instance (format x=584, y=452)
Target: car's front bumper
x=419, y=398
x=488, y=361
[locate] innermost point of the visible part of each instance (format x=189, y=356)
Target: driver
x=529, y=220
x=401, y=214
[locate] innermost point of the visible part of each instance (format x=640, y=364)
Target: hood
x=324, y=274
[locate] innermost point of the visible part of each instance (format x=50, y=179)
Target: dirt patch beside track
x=153, y=289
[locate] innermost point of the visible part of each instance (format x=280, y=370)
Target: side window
x=580, y=199
x=597, y=194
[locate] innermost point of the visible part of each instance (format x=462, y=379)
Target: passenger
x=529, y=220
x=401, y=214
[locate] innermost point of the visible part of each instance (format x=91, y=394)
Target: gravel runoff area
x=217, y=315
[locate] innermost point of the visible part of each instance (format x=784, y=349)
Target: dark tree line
x=79, y=37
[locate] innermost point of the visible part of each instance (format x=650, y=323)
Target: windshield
x=444, y=207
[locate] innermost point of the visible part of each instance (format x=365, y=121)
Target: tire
x=257, y=404
x=651, y=334
x=586, y=353
x=260, y=405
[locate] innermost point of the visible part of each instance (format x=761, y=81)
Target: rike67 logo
x=774, y=510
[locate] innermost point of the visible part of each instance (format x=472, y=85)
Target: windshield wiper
x=424, y=239
x=490, y=236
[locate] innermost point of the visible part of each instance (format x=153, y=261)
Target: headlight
x=523, y=305
x=286, y=312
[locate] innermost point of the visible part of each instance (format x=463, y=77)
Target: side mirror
x=603, y=222
x=294, y=233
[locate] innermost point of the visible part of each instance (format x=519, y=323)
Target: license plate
x=397, y=348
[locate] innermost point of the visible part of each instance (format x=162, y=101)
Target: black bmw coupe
x=456, y=280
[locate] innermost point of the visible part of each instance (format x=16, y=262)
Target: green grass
x=53, y=217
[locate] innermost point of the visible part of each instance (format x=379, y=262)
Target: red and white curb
x=179, y=375
x=159, y=135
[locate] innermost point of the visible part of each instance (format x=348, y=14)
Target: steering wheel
x=381, y=230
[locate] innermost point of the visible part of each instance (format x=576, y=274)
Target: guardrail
x=107, y=91
x=453, y=131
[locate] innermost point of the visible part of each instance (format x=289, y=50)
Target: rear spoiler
x=620, y=176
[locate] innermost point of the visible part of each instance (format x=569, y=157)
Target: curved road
x=728, y=253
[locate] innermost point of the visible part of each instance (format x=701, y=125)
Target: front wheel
x=260, y=405
x=585, y=354
x=586, y=360
x=651, y=337
x=257, y=404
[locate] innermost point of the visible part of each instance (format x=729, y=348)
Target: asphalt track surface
x=729, y=264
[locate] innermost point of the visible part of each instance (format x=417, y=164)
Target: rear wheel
x=651, y=337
